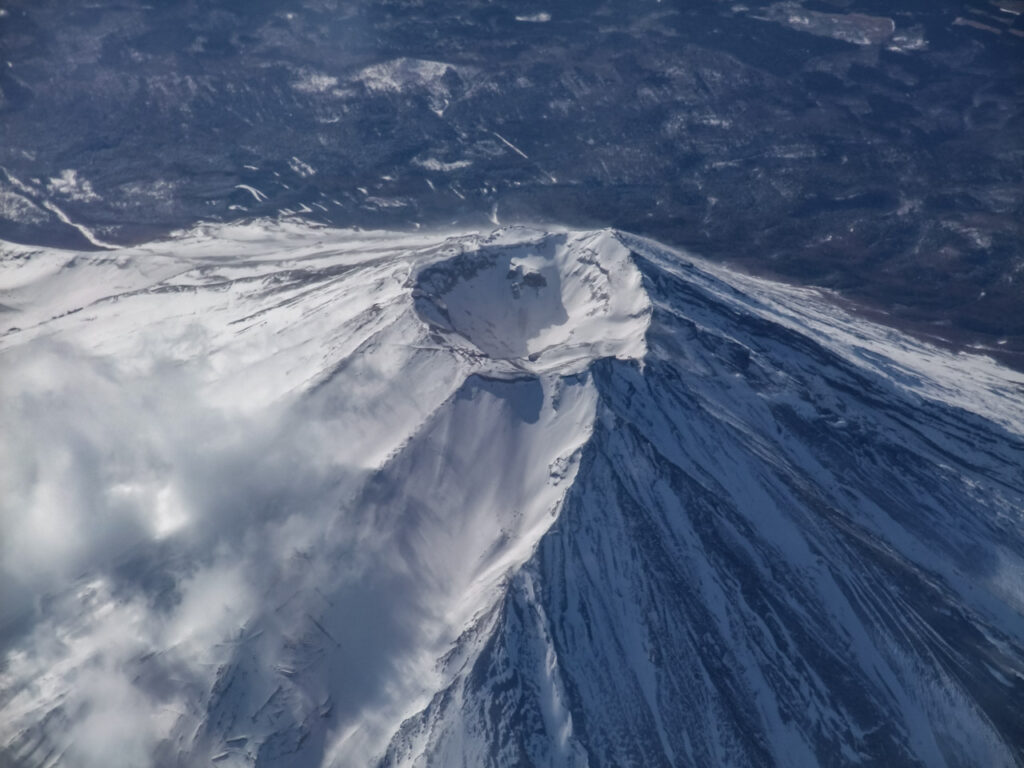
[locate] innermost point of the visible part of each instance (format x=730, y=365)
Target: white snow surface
x=548, y=307
x=280, y=495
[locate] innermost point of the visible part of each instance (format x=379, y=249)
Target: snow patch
x=315, y=82
x=15, y=207
x=69, y=185
x=433, y=164
x=535, y=18
x=303, y=169
x=257, y=195
x=405, y=75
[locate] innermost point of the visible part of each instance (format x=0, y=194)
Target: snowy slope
x=283, y=496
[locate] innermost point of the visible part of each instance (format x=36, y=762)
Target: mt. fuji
x=281, y=495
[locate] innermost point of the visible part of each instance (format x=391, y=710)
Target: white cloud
x=134, y=521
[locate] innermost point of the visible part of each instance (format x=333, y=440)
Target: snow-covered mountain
x=283, y=496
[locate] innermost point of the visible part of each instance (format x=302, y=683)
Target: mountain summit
x=284, y=496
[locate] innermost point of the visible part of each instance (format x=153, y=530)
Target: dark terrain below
x=871, y=149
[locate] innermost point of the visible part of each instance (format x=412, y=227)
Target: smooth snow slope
x=284, y=496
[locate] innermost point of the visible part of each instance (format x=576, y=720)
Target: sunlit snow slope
x=282, y=496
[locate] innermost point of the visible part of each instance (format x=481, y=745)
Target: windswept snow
x=87, y=233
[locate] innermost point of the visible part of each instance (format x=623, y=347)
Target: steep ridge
x=536, y=498
x=770, y=556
